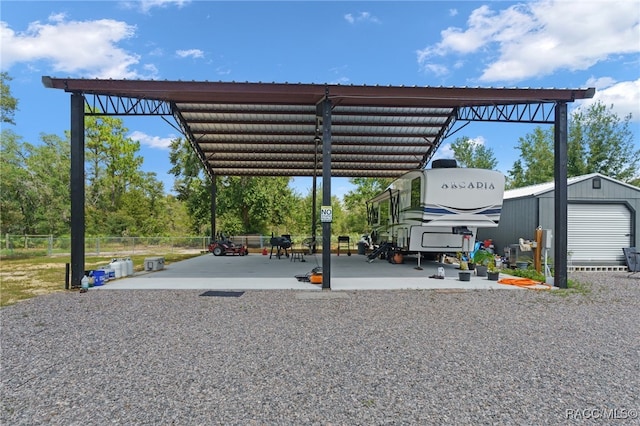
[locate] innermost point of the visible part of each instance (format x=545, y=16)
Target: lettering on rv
x=468, y=185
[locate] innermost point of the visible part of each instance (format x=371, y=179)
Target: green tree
x=113, y=163
x=14, y=201
x=192, y=185
x=12, y=171
x=245, y=204
x=536, y=159
x=49, y=174
x=603, y=143
x=260, y=204
x=122, y=200
x=355, y=201
x=8, y=104
x=35, y=185
x=471, y=154
x=143, y=209
x=598, y=141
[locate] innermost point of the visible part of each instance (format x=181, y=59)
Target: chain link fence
x=48, y=245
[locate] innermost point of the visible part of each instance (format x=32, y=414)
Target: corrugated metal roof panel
x=274, y=120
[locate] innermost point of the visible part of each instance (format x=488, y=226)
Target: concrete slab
x=258, y=272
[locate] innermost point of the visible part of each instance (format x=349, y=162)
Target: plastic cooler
x=98, y=277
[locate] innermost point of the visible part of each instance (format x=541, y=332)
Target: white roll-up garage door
x=597, y=233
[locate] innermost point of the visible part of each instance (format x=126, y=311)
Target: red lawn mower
x=224, y=246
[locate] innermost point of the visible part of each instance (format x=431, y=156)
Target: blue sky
x=561, y=44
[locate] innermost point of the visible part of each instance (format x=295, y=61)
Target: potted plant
x=482, y=258
x=464, y=274
x=492, y=270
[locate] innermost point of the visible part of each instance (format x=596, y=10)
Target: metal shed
x=603, y=214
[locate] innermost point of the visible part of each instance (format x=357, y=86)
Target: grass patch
x=23, y=278
x=573, y=287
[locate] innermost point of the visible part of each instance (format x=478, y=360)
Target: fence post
x=66, y=276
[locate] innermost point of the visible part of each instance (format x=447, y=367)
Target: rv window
x=384, y=212
x=415, y=192
x=375, y=214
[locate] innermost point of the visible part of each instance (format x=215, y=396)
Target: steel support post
x=214, y=194
x=325, y=106
x=560, y=200
x=77, y=189
x=314, y=212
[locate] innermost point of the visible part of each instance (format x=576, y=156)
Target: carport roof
x=276, y=129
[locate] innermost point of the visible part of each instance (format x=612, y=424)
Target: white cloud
x=478, y=141
x=361, y=17
x=600, y=83
x=57, y=17
x=538, y=38
x=453, y=12
x=624, y=96
x=146, y=5
x=190, y=53
x=152, y=141
x=445, y=150
x=437, y=69
x=157, y=51
x=340, y=80
x=85, y=48
x=222, y=70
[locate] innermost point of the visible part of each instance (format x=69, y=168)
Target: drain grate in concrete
x=218, y=293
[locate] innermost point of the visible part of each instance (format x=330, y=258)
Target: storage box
x=154, y=263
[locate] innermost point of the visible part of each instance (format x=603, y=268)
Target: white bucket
x=117, y=267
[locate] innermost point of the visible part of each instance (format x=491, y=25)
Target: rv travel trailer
x=437, y=210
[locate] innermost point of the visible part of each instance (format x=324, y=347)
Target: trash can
x=362, y=247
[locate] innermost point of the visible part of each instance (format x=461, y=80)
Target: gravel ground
x=370, y=357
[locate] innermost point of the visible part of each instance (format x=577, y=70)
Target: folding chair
x=633, y=259
x=310, y=244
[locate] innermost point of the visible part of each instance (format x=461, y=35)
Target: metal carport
x=269, y=129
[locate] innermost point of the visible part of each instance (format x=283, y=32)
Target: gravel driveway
x=291, y=357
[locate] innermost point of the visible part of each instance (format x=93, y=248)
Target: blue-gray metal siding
x=521, y=216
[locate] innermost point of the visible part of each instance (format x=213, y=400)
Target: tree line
x=123, y=200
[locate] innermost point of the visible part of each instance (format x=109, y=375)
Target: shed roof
x=274, y=129
x=542, y=188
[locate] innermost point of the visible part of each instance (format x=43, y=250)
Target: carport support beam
x=77, y=189
x=325, y=109
x=560, y=194
x=214, y=194
x=314, y=211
